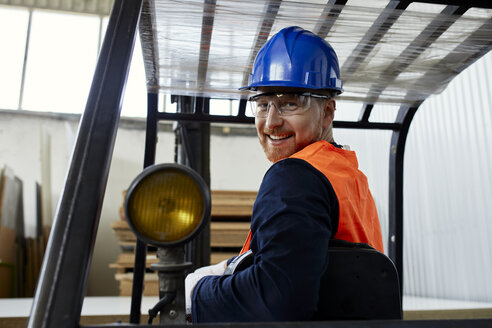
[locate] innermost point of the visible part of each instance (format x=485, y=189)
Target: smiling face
x=282, y=136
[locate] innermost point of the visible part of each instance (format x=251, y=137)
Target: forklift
x=197, y=73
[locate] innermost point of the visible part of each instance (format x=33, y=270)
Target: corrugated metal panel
x=448, y=187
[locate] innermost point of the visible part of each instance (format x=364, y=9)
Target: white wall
x=20, y=148
x=236, y=163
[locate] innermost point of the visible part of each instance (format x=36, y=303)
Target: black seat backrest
x=359, y=283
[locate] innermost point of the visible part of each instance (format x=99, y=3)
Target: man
x=312, y=193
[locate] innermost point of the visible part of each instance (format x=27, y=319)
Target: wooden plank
x=10, y=189
x=216, y=257
x=45, y=161
x=228, y=234
x=120, y=225
x=230, y=226
x=7, y=261
x=122, y=231
x=121, y=213
x=222, y=234
x=30, y=276
x=127, y=260
x=121, y=210
x=125, y=235
x=151, y=284
x=485, y=313
x=232, y=203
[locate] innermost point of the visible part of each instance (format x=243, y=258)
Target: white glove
x=213, y=270
x=193, y=278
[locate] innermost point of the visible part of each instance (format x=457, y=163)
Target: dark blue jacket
x=294, y=216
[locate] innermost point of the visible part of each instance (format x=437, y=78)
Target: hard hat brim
x=288, y=84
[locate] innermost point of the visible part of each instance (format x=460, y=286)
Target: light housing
x=167, y=204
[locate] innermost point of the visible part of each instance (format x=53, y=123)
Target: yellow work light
x=167, y=204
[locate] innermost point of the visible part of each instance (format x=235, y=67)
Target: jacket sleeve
x=294, y=216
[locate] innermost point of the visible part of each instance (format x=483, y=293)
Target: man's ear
x=329, y=107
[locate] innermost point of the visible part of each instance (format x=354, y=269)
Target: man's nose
x=273, y=118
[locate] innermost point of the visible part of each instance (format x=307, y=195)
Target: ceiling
x=389, y=51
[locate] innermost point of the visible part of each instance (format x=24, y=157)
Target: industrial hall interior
x=101, y=99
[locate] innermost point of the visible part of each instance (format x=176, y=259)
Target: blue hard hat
x=297, y=58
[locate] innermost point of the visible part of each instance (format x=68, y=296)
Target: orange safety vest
x=358, y=219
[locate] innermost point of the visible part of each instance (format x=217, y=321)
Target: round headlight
x=167, y=204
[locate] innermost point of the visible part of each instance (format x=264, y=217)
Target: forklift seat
x=360, y=283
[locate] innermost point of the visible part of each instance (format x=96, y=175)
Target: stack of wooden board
x=10, y=196
x=125, y=261
x=230, y=221
x=20, y=257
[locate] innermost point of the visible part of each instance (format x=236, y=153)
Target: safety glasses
x=285, y=103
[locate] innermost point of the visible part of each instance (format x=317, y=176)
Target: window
x=13, y=32
x=61, y=56
x=60, y=62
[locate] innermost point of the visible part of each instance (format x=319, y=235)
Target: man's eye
x=262, y=106
x=289, y=106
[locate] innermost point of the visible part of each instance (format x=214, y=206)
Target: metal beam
x=194, y=151
x=201, y=117
x=375, y=33
x=24, y=62
x=366, y=112
x=479, y=40
x=140, y=246
x=149, y=45
x=242, y=108
x=329, y=16
x=206, y=37
x=366, y=125
x=395, y=214
x=471, y=3
x=61, y=287
x=450, y=323
x=432, y=31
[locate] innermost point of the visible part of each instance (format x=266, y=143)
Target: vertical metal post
x=141, y=247
x=366, y=112
x=194, y=151
x=397, y=150
x=199, y=134
x=242, y=107
x=24, y=63
x=61, y=287
x=151, y=130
